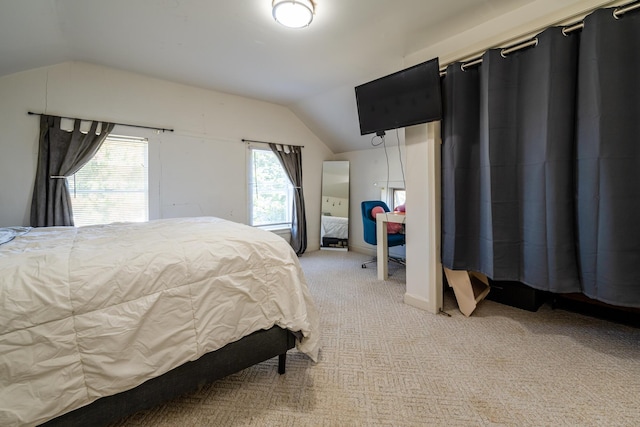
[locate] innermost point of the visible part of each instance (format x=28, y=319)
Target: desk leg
x=383, y=249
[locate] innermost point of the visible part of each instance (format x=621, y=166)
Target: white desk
x=382, y=243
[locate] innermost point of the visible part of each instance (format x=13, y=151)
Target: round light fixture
x=293, y=13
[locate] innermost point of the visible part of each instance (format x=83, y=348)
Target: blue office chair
x=369, y=229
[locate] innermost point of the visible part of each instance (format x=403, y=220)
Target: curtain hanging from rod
x=541, y=162
x=61, y=154
x=617, y=13
x=290, y=157
x=608, y=158
x=31, y=113
x=508, y=168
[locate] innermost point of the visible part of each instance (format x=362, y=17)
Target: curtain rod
x=566, y=30
x=267, y=142
x=91, y=120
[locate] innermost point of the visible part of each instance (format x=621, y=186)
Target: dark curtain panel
x=461, y=169
x=507, y=170
x=61, y=154
x=291, y=160
x=608, y=158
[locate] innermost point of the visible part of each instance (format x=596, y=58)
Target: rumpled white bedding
x=7, y=234
x=335, y=226
x=89, y=312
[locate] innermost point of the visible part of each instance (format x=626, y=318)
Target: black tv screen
x=405, y=98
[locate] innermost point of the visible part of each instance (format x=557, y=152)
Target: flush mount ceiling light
x=293, y=13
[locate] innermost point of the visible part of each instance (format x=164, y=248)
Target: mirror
x=334, y=226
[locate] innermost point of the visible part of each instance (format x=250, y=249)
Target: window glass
x=113, y=185
x=399, y=196
x=270, y=191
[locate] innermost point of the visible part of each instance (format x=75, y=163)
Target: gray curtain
x=541, y=162
x=608, y=158
x=508, y=170
x=290, y=157
x=61, y=154
x=461, y=169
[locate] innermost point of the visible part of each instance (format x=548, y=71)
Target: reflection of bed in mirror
x=334, y=231
x=334, y=225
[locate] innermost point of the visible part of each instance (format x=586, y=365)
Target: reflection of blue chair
x=369, y=229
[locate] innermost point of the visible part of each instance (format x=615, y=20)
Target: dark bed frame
x=234, y=357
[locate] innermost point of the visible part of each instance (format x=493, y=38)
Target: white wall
x=200, y=169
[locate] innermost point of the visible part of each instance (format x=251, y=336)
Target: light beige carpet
x=384, y=363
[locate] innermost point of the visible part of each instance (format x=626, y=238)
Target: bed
x=335, y=226
x=334, y=231
x=99, y=322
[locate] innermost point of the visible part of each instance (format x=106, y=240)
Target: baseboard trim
x=362, y=250
x=418, y=302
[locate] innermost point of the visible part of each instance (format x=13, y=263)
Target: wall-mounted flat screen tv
x=408, y=97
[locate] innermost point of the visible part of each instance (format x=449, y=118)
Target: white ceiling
x=235, y=46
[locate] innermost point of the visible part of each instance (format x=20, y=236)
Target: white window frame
x=286, y=225
x=387, y=191
x=392, y=197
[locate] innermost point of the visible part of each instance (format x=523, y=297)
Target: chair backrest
x=369, y=222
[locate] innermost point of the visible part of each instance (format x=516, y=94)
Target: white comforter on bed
x=89, y=312
x=335, y=226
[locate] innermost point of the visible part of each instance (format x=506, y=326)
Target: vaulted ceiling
x=235, y=46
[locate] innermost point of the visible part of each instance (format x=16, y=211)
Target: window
x=393, y=196
x=399, y=196
x=113, y=185
x=270, y=191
